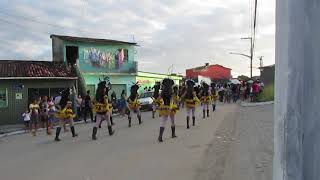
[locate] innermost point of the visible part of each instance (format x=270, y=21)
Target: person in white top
x=26, y=119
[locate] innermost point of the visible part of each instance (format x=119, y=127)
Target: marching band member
x=176, y=98
x=134, y=105
x=191, y=101
x=214, y=96
x=205, y=95
x=157, y=101
x=102, y=108
x=168, y=108
x=65, y=113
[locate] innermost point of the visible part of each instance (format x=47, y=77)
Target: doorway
x=72, y=54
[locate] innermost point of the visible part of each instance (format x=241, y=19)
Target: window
x=72, y=54
x=3, y=98
x=124, y=55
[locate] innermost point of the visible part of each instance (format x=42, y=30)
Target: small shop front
x=119, y=82
x=148, y=79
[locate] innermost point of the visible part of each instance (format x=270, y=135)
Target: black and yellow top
x=102, y=108
x=134, y=104
x=158, y=101
x=176, y=99
x=206, y=99
x=191, y=103
x=166, y=110
x=65, y=113
x=214, y=97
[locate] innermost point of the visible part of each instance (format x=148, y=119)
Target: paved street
x=203, y=152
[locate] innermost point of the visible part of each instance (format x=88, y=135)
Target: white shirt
x=26, y=116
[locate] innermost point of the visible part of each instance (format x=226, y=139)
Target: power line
x=59, y=26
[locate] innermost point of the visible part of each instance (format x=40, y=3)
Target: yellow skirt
x=102, y=108
x=165, y=110
x=134, y=105
x=158, y=101
x=206, y=99
x=65, y=114
x=191, y=103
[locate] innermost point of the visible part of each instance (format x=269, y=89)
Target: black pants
x=79, y=113
x=86, y=111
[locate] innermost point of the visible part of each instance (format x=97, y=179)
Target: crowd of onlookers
x=41, y=111
x=245, y=91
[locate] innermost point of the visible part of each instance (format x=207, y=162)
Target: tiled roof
x=34, y=69
x=203, y=67
x=91, y=40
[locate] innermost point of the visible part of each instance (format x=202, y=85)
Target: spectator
x=88, y=107
x=44, y=108
x=221, y=93
x=243, y=91
x=234, y=90
x=26, y=119
x=34, y=110
x=255, y=91
x=78, y=104
x=52, y=110
x=248, y=91
x=123, y=103
x=113, y=96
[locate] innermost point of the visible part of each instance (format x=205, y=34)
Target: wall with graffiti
x=107, y=58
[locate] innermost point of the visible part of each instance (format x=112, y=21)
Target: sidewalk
x=8, y=130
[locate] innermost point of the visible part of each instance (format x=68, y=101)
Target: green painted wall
x=127, y=80
x=11, y=114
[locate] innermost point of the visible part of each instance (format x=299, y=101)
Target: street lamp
x=248, y=56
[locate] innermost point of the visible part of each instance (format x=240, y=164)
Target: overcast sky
x=185, y=33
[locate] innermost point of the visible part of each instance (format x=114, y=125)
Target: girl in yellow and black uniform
x=65, y=114
x=134, y=105
x=157, y=100
x=168, y=108
x=214, y=96
x=191, y=100
x=205, y=95
x=102, y=108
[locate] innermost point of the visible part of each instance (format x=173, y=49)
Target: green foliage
x=267, y=94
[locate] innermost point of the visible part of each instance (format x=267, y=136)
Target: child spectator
x=26, y=119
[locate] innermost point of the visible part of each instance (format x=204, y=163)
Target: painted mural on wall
x=108, y=61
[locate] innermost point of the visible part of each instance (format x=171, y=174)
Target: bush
x=267, y=94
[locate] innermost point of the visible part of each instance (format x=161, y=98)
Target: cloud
x=185, y=33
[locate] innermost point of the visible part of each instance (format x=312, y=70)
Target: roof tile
x=17, y=68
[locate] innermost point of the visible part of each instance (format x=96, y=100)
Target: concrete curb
x=245, y=104
x=41, y=129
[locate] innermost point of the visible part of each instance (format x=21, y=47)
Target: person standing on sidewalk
x=205, y=99
x=102, y=108
x=26, y=120
x=34, y=110
x=78, y=104
x=88, y=107
x=168, y=108
x=134, y=105
x=52, y=110
x=191, y=101
x=65, y=113
x=123, y=103
x=44, y=108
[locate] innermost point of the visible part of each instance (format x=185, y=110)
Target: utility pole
x=261, y=63
x=252, y=38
